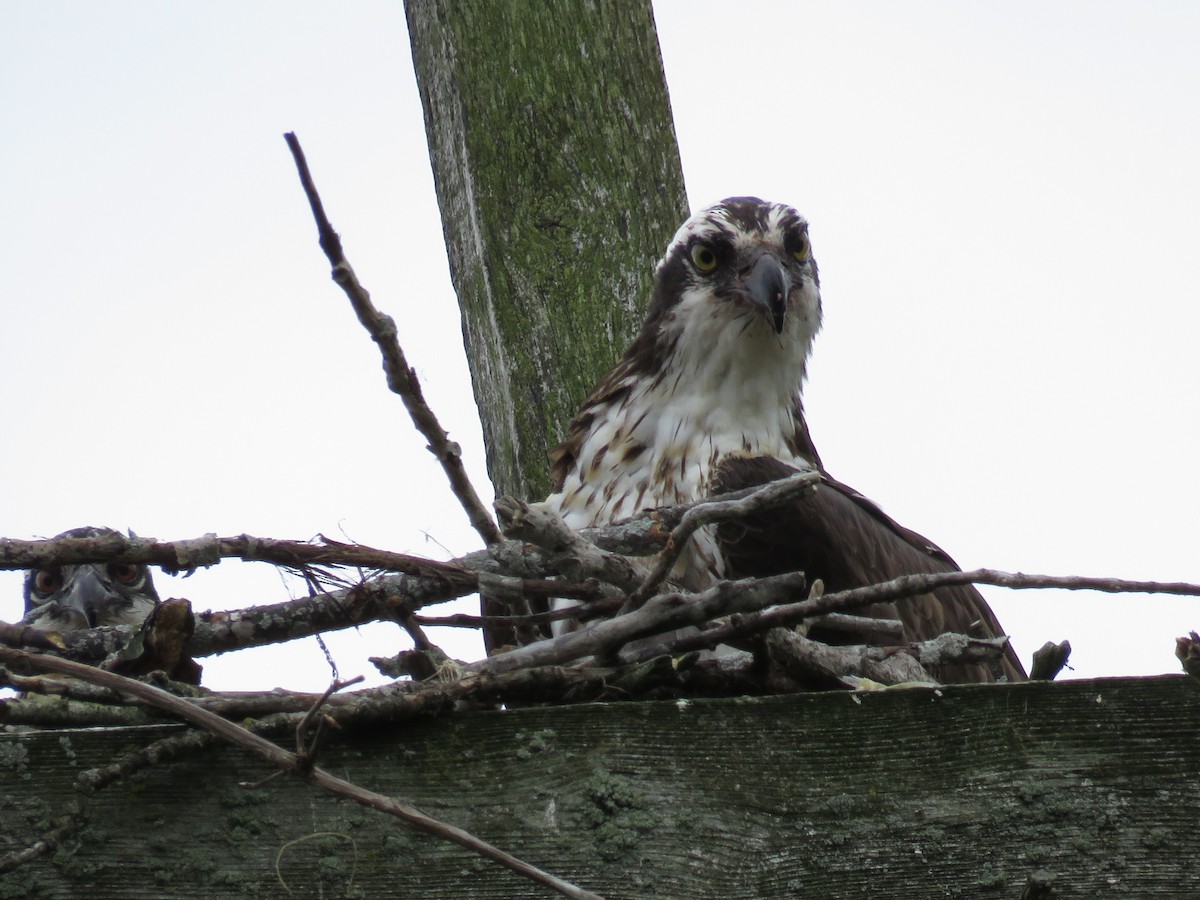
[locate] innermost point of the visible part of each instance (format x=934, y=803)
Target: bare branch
x=56, y=687
x=401, y=379
x=570, y=552
x=382, y=599
x=865, y=627
x=666, y=612
x=950, y=648
x=191, y=554
x=600, y=608
x=806, y=659
x=908, y=586
x=391, y=596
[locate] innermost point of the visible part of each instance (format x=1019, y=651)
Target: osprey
x=71, y=597
x=708, y=399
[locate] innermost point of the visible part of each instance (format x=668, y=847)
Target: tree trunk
x=558, y=177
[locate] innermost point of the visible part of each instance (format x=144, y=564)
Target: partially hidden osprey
x=708, y=399
x=72, y=597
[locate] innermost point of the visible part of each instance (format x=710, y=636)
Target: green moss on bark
x=559, y=181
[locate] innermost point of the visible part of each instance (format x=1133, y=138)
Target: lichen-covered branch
x=193, y=553
x=569, y=551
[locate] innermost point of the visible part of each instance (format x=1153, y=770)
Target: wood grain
x=962, y=792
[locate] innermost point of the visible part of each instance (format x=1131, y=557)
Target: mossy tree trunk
x=558, y=176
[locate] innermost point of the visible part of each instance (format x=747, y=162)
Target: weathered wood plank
x=963, y=792
x=559, y=183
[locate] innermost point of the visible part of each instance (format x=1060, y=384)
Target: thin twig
x=288, y=762
x=306, y=751
x=401, y=379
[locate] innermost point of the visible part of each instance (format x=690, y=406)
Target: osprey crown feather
x=708, y=398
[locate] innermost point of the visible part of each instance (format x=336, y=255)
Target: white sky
x=1003, y=203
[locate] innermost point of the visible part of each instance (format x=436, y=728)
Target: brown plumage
x=708, y=398
x=839, y=536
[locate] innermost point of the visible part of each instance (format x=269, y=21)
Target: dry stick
x=288, y=762
x=220, y=632
x=570, y=552
x=604, y=607
x=61, y=829
x=401, y=378
x=189, y=555
x=256, y=626
x=176, y=746
x=909, y=586
x=663, y=613
x=643, y=534
x=421, y=582
x=56, y=687
x=277, y=712
x=706, y=513
x=886, y=630
x=24, y=636
x=804, y=658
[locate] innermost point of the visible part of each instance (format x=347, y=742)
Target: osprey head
x=70, y=597
x=746, y=261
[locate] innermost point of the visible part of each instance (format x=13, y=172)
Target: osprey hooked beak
x=768, y=284
x=89, y=593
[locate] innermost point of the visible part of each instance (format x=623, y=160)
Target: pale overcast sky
x=1003, y=203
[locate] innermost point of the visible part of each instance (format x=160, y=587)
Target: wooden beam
x=964, y=791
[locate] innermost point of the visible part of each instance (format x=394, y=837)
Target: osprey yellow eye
x=801, y=248
x=703, y=257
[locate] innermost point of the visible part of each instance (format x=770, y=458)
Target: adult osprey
x=708, y=399
x=71, y=597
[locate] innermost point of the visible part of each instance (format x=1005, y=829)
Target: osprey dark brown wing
x=835, y=534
